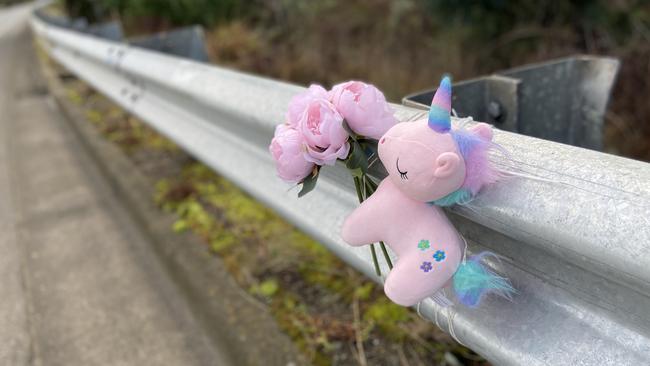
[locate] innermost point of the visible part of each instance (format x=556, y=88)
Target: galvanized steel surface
x=572, y=227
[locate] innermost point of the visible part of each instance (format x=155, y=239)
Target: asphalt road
x=77, y=284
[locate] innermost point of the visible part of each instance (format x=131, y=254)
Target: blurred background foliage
x=405, y=45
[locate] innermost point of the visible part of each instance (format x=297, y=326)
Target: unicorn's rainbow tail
x=473, y=280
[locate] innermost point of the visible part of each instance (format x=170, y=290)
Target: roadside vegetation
x=10, y=2
x=404, y=46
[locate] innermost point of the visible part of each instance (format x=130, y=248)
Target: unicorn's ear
x=439, y=113
x=446, y=164
x=484, y=130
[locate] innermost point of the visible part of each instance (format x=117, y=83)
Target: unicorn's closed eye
x=429, y=165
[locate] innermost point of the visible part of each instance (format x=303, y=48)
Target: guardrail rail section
x=573, y=228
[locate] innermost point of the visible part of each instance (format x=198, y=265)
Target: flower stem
x=373, y=251
x=357, y=185
x=383, y=249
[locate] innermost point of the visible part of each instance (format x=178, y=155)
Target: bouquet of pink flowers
x=323, y=126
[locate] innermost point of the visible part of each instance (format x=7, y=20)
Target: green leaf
x=357, y=158
x=309, y=183
x=347, y=129
x=370, y=147
x=356, y=172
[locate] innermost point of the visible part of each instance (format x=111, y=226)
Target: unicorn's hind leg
x=417, y=277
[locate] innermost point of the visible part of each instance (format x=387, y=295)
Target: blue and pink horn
x=439, y=114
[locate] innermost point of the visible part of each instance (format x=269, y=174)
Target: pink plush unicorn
x=429, y=165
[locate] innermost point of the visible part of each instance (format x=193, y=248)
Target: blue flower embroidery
x=439, y=255
x=426, y=266
x=423, y=245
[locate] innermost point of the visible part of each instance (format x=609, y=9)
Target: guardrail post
x=562, y=100
x=187, y=42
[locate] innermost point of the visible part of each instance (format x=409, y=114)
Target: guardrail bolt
x=495, y=111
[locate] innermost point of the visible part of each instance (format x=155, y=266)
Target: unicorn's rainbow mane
x=479, y=171
x=473, y=147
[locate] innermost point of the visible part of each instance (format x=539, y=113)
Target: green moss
x=267, y=288
x=180, y=226
x=94, y=116
x=196, y=217
x=161, y=189
x=294, y=318
x=364, y=291
x=74, y=96
x=388, y=316
x=223, y=242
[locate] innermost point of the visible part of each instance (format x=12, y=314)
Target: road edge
x=235, y=322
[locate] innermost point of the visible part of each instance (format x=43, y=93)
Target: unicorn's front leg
x=365, y=225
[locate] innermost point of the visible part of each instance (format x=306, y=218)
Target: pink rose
x=364, y=107
x=299, y=103
x=321, y=126
x=288, y=150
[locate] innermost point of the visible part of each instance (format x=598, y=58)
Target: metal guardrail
x=574, y=234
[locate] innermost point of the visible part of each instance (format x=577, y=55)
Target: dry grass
x=404, y=46
x=327, y=44
x=399, y=48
